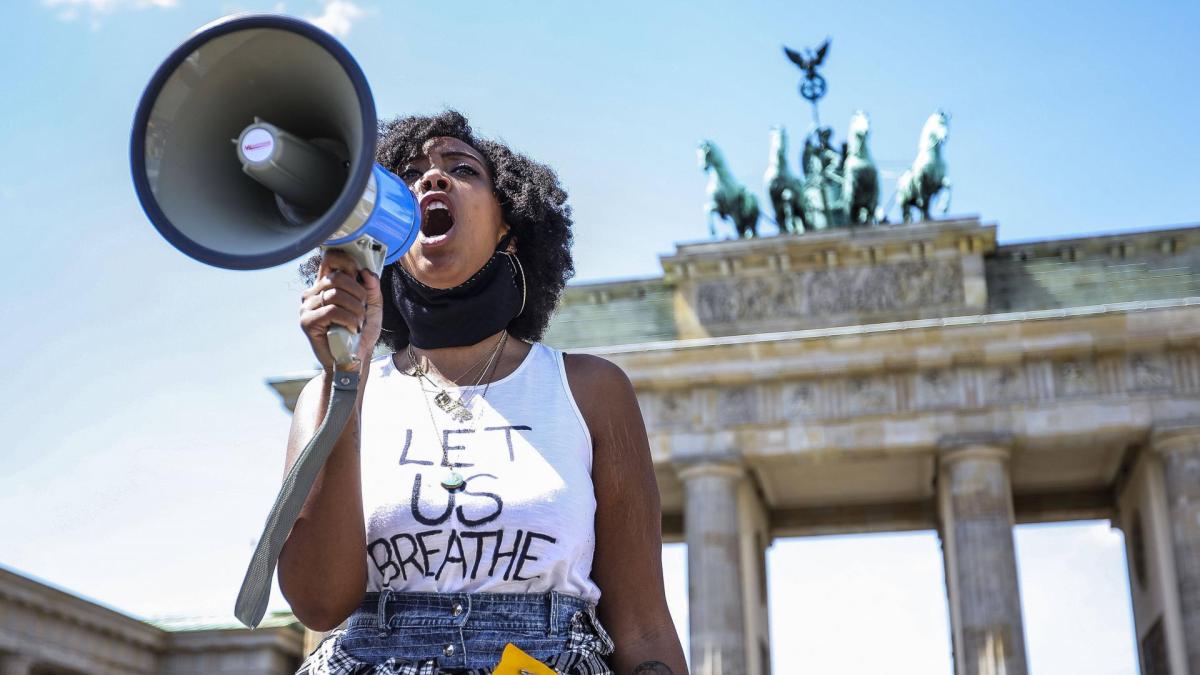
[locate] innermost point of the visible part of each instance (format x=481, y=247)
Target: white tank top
x=524, y=523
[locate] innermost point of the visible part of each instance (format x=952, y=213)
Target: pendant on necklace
x=452, y=406
x=454, y=482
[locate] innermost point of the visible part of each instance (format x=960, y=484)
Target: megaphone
x=255, y=142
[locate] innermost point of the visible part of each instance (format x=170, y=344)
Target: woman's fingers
x=340, y=281
x=372, y=295
x=320, y=320
x=337, y=297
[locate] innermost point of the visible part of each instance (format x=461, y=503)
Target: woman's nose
x=434, y=179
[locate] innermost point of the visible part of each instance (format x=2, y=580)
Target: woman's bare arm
x=322, y=567
x=628, y=561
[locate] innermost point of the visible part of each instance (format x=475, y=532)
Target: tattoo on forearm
x=652, y=668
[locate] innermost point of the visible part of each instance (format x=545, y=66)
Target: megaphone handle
x=368, y=254
x=343, y=345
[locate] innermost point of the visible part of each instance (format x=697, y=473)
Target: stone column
x=15, y=664
x=754, y=532
x=1178, y=448
x=710, y=520
x=976, y=519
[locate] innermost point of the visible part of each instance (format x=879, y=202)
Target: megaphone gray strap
x=256, y=587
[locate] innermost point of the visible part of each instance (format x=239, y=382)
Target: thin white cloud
x=338, y=17
x=69, y=10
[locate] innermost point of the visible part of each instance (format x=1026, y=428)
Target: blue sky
x=145, y=448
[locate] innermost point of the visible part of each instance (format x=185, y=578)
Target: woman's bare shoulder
x=603, y=392
x=592, y=369
x=596, y=381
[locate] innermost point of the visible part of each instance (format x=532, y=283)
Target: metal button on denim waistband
x=448, y=650
x=456, y=609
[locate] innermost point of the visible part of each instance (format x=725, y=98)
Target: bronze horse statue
x=726, y=197
x=785, y=189
x=860, y=178
x=920, y=184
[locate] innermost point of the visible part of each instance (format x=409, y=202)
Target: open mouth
x=436, y=219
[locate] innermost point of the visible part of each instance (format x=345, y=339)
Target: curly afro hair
x=531, y=199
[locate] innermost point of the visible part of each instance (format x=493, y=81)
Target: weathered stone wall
x=1083, y=271
x=873, y=275
x=47, y=630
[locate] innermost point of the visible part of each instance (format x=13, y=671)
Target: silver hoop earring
x=517, y=265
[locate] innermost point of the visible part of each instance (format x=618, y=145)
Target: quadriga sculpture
x=726, y=197
x=785, y=189
x=920, y=184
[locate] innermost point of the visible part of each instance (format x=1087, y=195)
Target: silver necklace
x=454, y=481
x=450, y=405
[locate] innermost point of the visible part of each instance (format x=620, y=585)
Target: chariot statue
x=726, y=197
x=822, y=177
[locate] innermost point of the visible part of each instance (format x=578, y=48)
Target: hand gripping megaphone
x=254, y=143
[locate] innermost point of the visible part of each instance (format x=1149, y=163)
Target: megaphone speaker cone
x=218, y=84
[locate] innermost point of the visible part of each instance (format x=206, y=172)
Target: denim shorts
x=419, y=633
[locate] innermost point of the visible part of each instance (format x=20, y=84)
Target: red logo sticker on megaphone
x=257, y=145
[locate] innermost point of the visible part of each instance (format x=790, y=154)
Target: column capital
x=984, y=445
x=725, y=467
x=1176, y=436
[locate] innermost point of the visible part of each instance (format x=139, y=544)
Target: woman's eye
x=466, y=170
x=409, y=175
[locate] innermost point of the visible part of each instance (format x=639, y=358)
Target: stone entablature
x=44, y=629
x=860, y=381
x=951, y=388
x=57, y=630
x=853, y=416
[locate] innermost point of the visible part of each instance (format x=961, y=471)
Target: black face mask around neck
x=456, y=317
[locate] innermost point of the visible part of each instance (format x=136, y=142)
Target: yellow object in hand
x=516, y=662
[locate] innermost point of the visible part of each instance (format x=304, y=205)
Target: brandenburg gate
x=916, y=377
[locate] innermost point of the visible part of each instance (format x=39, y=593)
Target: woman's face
x=461, y=221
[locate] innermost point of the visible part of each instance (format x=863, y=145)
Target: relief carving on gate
x=871, y=395
x=1003, y=384
x=1149, y=372
x=801, y=400
x=908, y=285
x=1077, y=377
x=737, y=405
x=673, y=408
